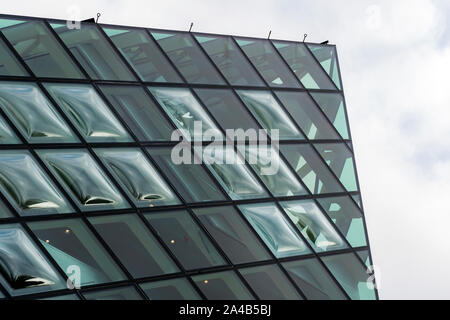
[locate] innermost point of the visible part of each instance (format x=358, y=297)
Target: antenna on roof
x=98, y=16
x=304, y=37
x=190, y=28
x=325, y=42
x=270, y=32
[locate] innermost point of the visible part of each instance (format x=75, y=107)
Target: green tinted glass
x=7, y=135
x=9, y=66
x=123, y=293
x=332, y=105
x=365, y=257
x=222, y=286
x=173, y=289
x=4, y=211
x=327, y=57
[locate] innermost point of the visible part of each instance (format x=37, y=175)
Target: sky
x=395, y=63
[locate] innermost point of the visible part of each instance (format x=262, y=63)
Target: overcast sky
x=395, y=64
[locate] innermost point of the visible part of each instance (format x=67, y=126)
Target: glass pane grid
x=105, y=139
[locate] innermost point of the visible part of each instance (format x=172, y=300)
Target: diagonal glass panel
x=88, y=112
x=72, y=296
x=340, y=160
x=269, y=113
x=224, y=285
x=39, y=49
x=122, y=293
x=273, y=171
x=9, y=65
x=365, y=257
x=173, y=289
x=4, y=211
x=185, y=239
x=332, y=105
x=137, y=176
x=232, y=234
x=307, y=115
x=314, y=281
x=352, y=276
x=269, y=283
x=134, y=245
x=267, y=61
x=326, y=55
x=143, y=55
x=189, y=179
x=357, y=199
x=314, y=226
x=93, y=52
x=185, y=111
x=27, y=187
x=305, y=67
x=273, y=228
x=309, y=167
x=231, y=172
x=83, y=179
x=77, y=251
x=188, y=57
x=229, y=59
x=7, y=135
x=33, y=114
x=23, y=268
x=139, y=112
x=347, y=217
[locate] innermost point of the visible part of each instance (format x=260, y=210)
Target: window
x=332, y=104
x=222, y=286
x=122, y=293
x=7, y=135
x=327, y=57
x=9, y=66
x=173, y=289
x=4, y=211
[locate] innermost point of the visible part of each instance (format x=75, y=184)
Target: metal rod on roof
x=98, y=16
x=190, y=28
x=270, y=32
x=304, y=37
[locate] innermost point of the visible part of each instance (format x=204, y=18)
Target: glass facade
x=93, y=205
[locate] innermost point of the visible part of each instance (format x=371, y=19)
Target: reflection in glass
x=134, y=245
x=327, y=57
x=122, y=293
x=93, y=52
x=314, y=225
x=274, y=229
x=27, y=187
x=222, y=286
x=39, y=49
x=188, y=58
x=77, y=251
x=365, y=257
x=23, y=268
x=88, y=112
x=332, y=105
x=136, y=174
x=347, y=217
x=33, y=114
x=83, y=179
x=139, y=112
x=230, y=61
x=267, y=61
x=4, y=211
x=269, y=283
x=269, y=113
x=9, y=65
x=232, y=234
x=313, y=279
x=173, y=289
x=185, y=239
x=7, y=135
x=143, y=55
x=184, y=110
x=309, y=167
x=235, y=177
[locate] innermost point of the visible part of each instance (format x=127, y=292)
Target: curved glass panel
x=123, y=293
x=93, y=52
x=188, y=57
x=82, y=177
x=39, y=49
x=9, y=65
x=33, y=114
x=27, y=187
x=332, y=105
x=314, y=225
x=231, y=172
x=143, y=55
x=136, y=174
x=229, y=59
x=185, y=239
x=23, y=268
x=185, y=111
x=269, y=113
x=136, y=247
x=173, y=289
x=7, y=135
x=88, y=112
x=232, y=234
x=313, y=279
x=327, y=57
x=274, y=229
x=77, y=251
x=269, y=283
x=4, y=211
x=224, y=285
x=347, y=217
